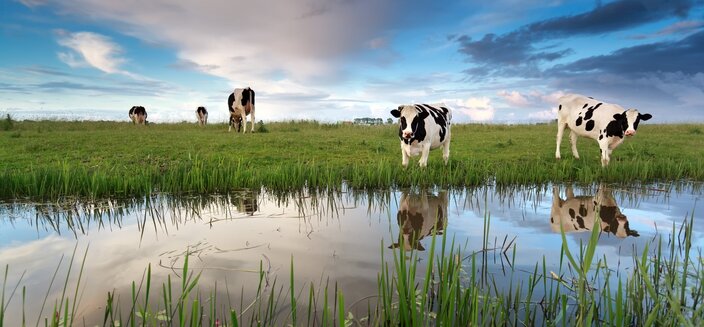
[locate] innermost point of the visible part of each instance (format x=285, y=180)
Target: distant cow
x=420, y=215
x=241, y=104
x=202, y=116
x=423, y=127
x=604, y=122
x=138, y=115
x=577, y=213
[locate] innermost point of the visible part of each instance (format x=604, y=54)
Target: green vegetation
x=455, y=289
x=50, y=159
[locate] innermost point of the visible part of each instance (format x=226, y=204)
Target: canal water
x=332, y=238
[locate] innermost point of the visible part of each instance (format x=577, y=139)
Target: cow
x=138, y=115
x=202, y=116
x=422, y=128
x=604, y=122
x=420, y=215
x=241, y=104
x=577, y=213
x=246, y=201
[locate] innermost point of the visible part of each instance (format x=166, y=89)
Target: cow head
x=629, y=119
x=236, y=122
x=410, y=120
x=615, y=222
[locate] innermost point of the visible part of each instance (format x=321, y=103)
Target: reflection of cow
x=420, y=215
x=246, y=201
x=577, y=213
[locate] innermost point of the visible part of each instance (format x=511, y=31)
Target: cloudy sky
x=491, y=61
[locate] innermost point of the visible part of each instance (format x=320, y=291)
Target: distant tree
x=389, y=121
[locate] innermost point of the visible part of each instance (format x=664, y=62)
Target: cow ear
x=645, y=116
x=618, y=116
x=420, y=247
x=394, y=246
x=423, y=115
x=395, y=113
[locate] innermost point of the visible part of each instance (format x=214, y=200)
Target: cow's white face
x=409, y=120
x=630, y=119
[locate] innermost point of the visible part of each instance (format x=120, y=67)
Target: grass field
x=49, y=159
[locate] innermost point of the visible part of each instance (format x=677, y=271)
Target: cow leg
x=424, y=155
x=569, y=192
x=573, y=141
x=244, y=122
x=560, y=130
x=404, y=157
x=252, y=118
x=446, y=150
x=605, y=152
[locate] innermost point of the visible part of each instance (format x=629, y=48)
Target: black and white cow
x=420, y=215
x=604, y=122
x=577, y=213
x=422, y=128
x=241, y=104
x=138, y=115
x=202, y=116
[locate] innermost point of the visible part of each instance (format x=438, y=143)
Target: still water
x=334, y=238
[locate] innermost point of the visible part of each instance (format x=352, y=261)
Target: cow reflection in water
x=420, y=215
x=577, y=213
x=245, y=201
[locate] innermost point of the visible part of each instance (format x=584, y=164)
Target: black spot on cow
x=552, y=219
x=589, y=126
x=597, y=105
x=601, y=136
x=617, y=126
x=582, y=210
x=585, y=105
x=580, y=222
x=247, y=96
x=440, y=117
x=579, y=121
x=572, y=213
x=230, y=101
x=139, y=110
x=201, y=110
x=559, y=107
x=589, y=113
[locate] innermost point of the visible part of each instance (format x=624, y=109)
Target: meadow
x=52, y=159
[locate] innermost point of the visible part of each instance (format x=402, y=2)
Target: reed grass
x=49, y=160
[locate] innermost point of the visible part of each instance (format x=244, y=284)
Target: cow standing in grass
x=604, y=122
x=241, y=104
x=202, y=116
x=138, y=115
x=420, y=215
x=577, y=213
x=422, y=128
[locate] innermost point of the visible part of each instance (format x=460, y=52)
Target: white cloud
x=91, y=49
x=477, y=109
x=544, y=114
x=514, y=97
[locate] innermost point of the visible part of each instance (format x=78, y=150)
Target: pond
x=331, y=238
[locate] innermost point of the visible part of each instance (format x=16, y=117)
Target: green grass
x=51, y=159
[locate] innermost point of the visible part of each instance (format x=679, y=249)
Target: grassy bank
x=49, y=159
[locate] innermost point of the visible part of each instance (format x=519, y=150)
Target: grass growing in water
x=664, y=288
x=100, y=159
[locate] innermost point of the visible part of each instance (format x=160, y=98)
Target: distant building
x=368, y=121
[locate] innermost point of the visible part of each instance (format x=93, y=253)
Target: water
x=331, y=238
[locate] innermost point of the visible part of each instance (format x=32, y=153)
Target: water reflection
x=419, y=215
x=577, y=213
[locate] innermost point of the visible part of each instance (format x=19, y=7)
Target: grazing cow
x=246, y=201
x=241, y=105
x=604, y=122
x=202, y=116
x=577, y=213
x=420, y=215
x=138, y=115
x=423, y=127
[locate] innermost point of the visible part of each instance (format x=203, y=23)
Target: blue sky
x=330, y=60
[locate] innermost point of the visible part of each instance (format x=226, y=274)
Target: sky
x=500, y=61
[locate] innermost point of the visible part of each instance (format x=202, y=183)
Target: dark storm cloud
x=518, y=48
x=684, y=56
